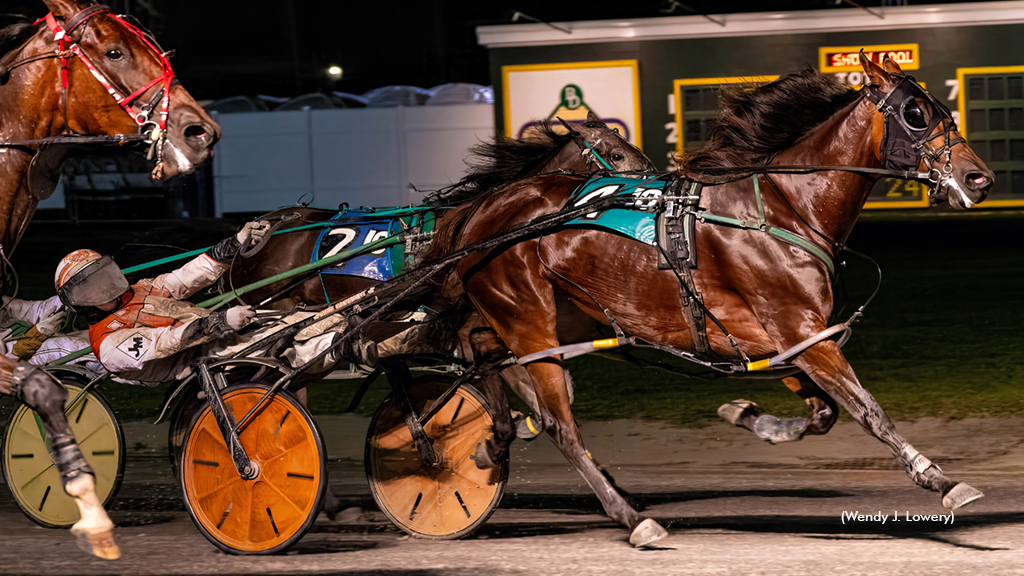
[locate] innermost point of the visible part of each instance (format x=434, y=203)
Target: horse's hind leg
x=40, y=392
x=553, y=397
x=825, y=364
x=774, y=430
x=488, y=352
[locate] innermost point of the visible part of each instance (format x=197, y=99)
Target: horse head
x=608, y=145
x=914, y=131
x=118, y=82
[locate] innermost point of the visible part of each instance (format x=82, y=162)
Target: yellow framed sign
x=610, y=89
x=990, y=103
x=697, y=105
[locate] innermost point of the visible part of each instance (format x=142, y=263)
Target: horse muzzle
x=191, y=135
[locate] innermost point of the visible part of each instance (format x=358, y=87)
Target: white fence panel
x=366, y=157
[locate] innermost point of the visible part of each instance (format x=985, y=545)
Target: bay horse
x=767, y=295
x=81, y=75
x=491, y=164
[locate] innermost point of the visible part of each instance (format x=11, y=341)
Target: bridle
x=905, y=138
x=589, y=151
x=152, y=131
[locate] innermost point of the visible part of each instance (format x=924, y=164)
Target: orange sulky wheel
x=443, y=503
x=273, y=511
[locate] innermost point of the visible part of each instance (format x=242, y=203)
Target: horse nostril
x=978, y=180
x=195, y=131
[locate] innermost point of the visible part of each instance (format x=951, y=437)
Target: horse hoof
x=646, y=533
x=99, y=543
x=331, y=505
x=776, y=430
x=481, y=458
x=740, y=413
x=960, y=495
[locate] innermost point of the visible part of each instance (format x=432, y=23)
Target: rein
x=744, y=171
x=67, y=48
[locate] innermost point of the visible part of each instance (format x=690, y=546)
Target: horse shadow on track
x=831, y=527
x=828, y=527
x=589, y=504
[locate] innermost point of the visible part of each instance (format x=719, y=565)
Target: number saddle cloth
x=351, y=228
x=663, y=213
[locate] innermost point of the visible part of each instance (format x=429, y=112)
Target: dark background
x=228, y=47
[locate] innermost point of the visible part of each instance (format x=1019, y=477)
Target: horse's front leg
x=40, y=392
x=825, y=364
x=774, y=430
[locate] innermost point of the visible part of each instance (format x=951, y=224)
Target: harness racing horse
x=81, y=75
x=588, y=147
x=763, y=295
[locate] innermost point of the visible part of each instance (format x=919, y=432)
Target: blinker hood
x=902, y=143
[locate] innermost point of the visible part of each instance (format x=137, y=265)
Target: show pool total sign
x=535, y=92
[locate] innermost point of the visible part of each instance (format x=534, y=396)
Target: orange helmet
x=85, y=278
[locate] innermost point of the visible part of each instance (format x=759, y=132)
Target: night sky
x=229, y=47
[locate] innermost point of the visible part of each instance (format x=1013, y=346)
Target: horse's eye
x=913, y=115
x=114, y=54
x=618, y=157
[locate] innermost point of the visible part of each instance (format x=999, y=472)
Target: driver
x=146, y=331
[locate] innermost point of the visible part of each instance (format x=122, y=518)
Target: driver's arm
x=204, y=270
x=131, y=348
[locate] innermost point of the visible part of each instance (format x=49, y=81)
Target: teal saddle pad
x=636, y=222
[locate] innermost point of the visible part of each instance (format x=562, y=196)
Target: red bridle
x=143, y=116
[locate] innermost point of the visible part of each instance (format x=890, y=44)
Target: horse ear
x=875, y=73
x=569, y=127
x=890, y=66
x=65, y=9
x=593, y=118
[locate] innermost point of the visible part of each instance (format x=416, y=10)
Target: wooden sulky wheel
x=273, y=511
x=444, y=503
x=30, y=472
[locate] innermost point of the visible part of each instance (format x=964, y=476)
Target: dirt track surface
x=732, y=503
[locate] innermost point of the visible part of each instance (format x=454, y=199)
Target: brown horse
x=768, y=295
x=492, y=164
x=81, y=75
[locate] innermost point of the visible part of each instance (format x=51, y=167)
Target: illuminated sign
x=847, y=58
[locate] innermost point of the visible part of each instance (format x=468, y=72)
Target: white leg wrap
x=918, y=463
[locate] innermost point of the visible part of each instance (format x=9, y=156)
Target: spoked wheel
x=274, y=510
x=33, y=477
x=444, y=503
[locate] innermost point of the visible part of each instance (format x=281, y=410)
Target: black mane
x=502, y=161
x=13, y=36
x=757, y=123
